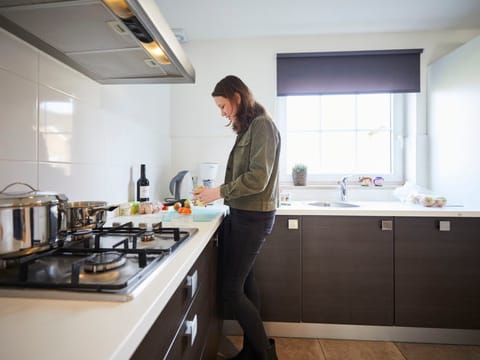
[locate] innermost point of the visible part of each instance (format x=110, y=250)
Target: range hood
x=110, y=41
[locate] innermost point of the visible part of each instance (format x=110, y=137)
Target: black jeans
x=245, y=233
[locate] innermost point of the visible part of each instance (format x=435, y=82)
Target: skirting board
x=363, y=332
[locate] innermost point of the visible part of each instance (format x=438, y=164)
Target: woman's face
x=228, y=108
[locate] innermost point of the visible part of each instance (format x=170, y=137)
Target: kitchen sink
x=333, y=204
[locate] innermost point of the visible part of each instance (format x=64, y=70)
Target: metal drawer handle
x=293, y=224
x=215, y=239
x=387, y=225
x=444, y=225
x=191, y=329
x=192, y=284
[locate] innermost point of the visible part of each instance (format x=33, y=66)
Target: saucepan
x=87, y=214
x=30, y=220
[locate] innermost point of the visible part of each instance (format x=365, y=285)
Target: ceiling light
x=157, y=52
x=119, y=8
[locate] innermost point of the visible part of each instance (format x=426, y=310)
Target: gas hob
x=108, y=263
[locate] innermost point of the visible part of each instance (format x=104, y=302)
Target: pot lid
x=28, y=196
x=87, y=204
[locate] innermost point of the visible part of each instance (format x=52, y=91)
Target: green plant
x=298, y=168
x=299, y=174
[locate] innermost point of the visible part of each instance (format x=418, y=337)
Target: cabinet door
x=215, y=322
x=191, y=346
x=166, y=339
x=437, y=272
x=203, y=313
x=278, y=272
x=347, y=270
x=158, y=340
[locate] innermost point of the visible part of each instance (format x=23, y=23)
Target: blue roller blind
x=352, y=72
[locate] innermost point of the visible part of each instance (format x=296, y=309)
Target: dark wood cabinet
x=278, y=272
x=197, y=306
x=347, y=270
x=437, y=272
x=371, y=270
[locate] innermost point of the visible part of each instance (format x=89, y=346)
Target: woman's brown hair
x=248, y=109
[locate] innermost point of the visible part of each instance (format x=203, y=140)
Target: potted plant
x=299, y=174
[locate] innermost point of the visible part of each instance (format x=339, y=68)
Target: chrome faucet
x=343, y=187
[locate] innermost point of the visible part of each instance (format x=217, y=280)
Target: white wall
x=62, y=132
x=197, y=128
x=454, y=124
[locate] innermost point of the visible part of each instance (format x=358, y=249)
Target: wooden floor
x=322, y=349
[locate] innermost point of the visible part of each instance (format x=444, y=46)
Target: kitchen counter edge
x=378, y=208
x=79, y=329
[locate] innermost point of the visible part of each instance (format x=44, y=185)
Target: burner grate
x=73, y=265
x=104, y=261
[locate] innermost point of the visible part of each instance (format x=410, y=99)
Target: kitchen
x=64, y=132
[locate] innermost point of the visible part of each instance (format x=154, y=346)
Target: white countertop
x=79, y=329
x=378, y=208
x=33, y=328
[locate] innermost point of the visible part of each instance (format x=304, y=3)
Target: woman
x=251, y=191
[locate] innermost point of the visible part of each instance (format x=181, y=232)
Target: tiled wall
x=62, y=132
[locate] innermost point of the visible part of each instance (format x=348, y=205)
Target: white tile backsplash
x=80, y=182
x=18, y=117
x=52, y=73
x=89, y=135
x=56, y=114
x=18, y=171
x=18, y=57
x=138, y=130
x=126, y=146
x=71, y=130
x=124, y=188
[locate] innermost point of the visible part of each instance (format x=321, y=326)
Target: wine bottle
x=143, y=186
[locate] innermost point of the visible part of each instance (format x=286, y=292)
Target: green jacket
x=251, y=178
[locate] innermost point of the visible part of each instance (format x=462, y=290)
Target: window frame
x=399, y=103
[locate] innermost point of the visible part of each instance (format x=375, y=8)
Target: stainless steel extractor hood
x=110, y=41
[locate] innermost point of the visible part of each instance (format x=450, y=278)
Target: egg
x=428, y=201
x=440, y=201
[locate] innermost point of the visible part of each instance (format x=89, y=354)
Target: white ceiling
x=223, y=19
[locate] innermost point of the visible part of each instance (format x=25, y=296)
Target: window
x=336, y=135
x=342, y=113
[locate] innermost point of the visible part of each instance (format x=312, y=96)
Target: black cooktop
x=108, y=259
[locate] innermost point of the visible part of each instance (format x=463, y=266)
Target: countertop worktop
x=33, y=328
x=79, y=329
x=378, y=208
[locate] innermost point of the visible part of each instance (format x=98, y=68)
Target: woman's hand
x=207, y=195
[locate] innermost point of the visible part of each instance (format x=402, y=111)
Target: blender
x=208, y=173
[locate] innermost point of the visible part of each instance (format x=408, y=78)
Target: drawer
x=154, y=346
x=191, y=337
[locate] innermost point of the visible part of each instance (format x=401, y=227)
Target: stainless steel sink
x=333, y=204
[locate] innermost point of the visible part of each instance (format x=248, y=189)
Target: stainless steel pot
x=87, y=214
x=30, y=220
